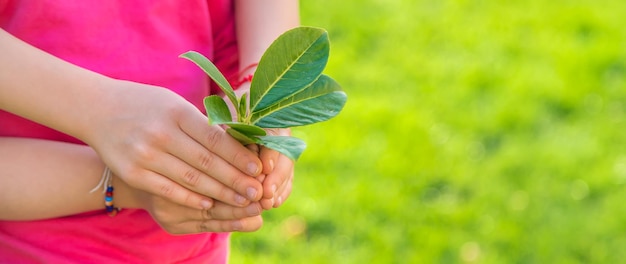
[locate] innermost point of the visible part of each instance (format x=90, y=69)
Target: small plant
x=288, y=90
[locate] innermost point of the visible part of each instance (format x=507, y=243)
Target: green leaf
x=288, y=89
x=318, y=102
x=210, y=69
x=249, y=130
x=243, y=107
x=291, y=147
x=217, y=110
x=293, y=61
x=242, y=138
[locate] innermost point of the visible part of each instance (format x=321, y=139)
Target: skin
x=255, y=32
x=190, y=178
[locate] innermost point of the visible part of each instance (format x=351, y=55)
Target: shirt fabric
x=136, y=40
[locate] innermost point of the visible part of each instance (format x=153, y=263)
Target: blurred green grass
x=475, y=132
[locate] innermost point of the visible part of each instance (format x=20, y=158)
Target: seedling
x=288, y=90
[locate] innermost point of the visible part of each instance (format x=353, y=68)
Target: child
x=82, y=89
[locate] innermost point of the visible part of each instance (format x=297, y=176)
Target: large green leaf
x=217, y=110
x=210, y=69
x=293, y=61
x=318, y=102
x=291, y=147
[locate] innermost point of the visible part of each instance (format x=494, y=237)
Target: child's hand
x=279, y=174
x=176, y=219
x=157, y=142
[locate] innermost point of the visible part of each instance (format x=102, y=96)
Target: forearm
x=45, y=179
x=259, y=23
x=46, y=89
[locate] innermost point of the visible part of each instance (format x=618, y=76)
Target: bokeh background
x=475, y=132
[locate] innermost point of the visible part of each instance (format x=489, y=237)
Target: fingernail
x=237, y=225
x=205, y=204
x=251, y=192
x=252, y=168
x=240, y=199
x=271, y=165
x=280, y=201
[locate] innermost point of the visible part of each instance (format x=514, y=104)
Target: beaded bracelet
x=108, y=201
x=107, y=188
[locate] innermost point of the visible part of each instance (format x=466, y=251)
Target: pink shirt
x=137, y=40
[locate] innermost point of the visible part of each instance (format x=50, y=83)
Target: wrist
x=104, y=90
x=126, y=196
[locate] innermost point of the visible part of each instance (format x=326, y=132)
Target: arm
x=147, y=135
x=59, y=183
x=135, y=129
x=44, y=179
x=259, y=23
x=142, y=132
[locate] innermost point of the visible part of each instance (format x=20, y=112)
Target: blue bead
x=108, y=199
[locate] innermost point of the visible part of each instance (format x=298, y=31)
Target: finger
x=281, y=174
x=268, y=156
x=211, y=165
x=216, y=140
x=267, y=204
x=261, y=178
x=253, y=147
x=193, y=179
x=222, y=211
x=161, y=186
x=283, y=193
x=248, y=224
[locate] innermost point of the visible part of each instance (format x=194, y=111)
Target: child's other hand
x=279, y=174
x=221, y=217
